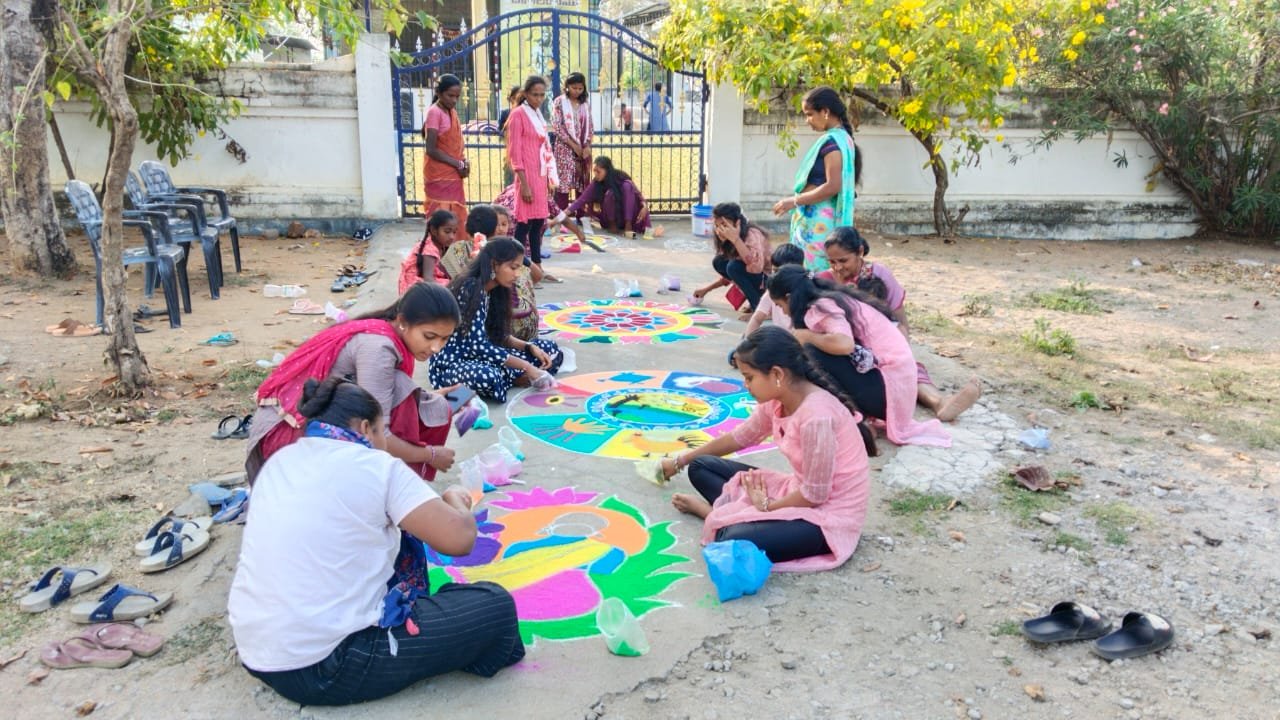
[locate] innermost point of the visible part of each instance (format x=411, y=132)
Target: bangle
x=431, y=459
x=767, y=500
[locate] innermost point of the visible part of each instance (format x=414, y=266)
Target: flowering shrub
x=1197, y=81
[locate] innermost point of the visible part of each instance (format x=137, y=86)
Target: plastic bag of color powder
x=622, y=632
x=737, y=567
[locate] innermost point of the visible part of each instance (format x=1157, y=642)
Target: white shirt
x=319, y=546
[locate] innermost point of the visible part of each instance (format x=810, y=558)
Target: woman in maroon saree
x=612, y=200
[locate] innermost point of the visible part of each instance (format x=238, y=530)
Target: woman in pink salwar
x=534, y=165
x=851, y=337
x=808, y=519
x=571, y=123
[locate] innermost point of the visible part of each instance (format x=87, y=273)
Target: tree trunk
x=36, y=241
x=108, y=76
x=942, y=221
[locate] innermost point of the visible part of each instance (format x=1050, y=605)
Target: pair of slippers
x=350, y=277
x=1139, y=634
x=103, y=645
x=172, y=542
x=121, y=602
x=233, y=427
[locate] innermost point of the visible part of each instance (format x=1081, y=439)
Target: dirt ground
x=1161, y=405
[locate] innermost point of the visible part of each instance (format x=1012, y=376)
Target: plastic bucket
x=701, y=215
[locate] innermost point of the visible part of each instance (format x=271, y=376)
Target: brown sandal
x=79, y=652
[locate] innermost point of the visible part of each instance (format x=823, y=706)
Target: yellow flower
x=1085, y=5
x=912, y=107
x=883, y=42
x=1079, y=38
x=1099, y=19
x=1070, y=54
x=856, y=44
x=895, y=51
x=1010, y=76
x=953, y=44
x=908, y=56
x=946, y=121
x=999, y=138
x=999, y=121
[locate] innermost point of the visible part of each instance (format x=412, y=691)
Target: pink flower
x=1137, y=65
x=1133, y=32
x=1137, y=48
x=1163, y=109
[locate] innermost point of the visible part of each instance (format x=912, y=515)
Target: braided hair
x=804, y=290
x=772, y=346
x=438, y=219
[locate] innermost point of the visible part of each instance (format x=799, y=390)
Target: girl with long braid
x=824, y=186
x=806, y=520
x=850, y=336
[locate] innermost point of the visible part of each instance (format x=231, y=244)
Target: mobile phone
x=459, y=398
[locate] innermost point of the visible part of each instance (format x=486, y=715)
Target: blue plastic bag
x=736, y=567
x=1035, y=438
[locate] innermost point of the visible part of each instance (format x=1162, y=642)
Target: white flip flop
x=175, y=548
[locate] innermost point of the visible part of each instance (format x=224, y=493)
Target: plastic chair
x=160, y=225
x=161, y=259
x=187, y=224
x=155, y=176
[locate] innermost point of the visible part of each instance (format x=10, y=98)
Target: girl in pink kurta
x=805, y=520
x=856, y=343
x=534, y=165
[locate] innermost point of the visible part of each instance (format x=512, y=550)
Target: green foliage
x=1006, y=628
x=1197, y=81
x=1075, y=298
x=935, y=66
x=1026, y=504
x=1066, y=539
x=977, y=306
x=914, y=502
x=1048, y=340
x=245, y=378
x=179, y=48
x=1085, y=399
x=1116, y=520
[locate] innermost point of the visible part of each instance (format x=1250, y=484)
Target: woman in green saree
x=824, y=185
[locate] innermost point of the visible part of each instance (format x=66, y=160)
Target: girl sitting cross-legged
x=811, y=518
x=483, y=354
x=310, y=605
x=423, y=263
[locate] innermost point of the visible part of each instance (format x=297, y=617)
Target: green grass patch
x=1116, y=520
x=1086, y=399
x=166, y=416
x=1048, y=340
x=914, y=502
x=1075, y=298
x=245, y=378
x=1007, y=628
x=977, y=306
x=1026, y=504
x=1066, y=539
x=929, y=320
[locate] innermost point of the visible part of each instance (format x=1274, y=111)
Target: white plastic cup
x=621, y=630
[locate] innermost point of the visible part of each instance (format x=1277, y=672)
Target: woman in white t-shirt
x=315, y=606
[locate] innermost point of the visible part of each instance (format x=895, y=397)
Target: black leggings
x=529, y=234
x=781, y=540
x=865, y=389
x=471, y=628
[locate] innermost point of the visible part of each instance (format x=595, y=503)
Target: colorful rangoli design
x=626, y=321
x=634, y=414
x=560, y=553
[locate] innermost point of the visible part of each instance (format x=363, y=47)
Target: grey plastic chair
x=187, y=225
x=161, y=259
x=159, y=186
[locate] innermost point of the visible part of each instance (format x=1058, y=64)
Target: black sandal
x=1139, y=634
x=239, y=431
x=1067, y=621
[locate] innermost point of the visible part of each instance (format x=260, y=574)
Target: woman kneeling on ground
x=377, y=351
x=811, y=518
x=851, y=337
x=307, y=605
x=483, y=354
x=847, y=251
x=612, y=200
x=742, y=255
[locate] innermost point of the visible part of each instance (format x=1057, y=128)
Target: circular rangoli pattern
x=626, y=321
x=634, y=414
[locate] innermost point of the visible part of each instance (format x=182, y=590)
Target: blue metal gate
x=620, y=66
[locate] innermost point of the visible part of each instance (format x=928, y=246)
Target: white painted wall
x=1071, y=191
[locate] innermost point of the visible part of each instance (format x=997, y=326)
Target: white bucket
x=701, y=215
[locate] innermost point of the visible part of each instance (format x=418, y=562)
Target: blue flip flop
x=233, y=507
x=43, y=594
x=121, y=602
x=222, y=339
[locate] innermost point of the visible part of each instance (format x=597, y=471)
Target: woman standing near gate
x=534, y=164
x=824, y=186
x=571, y=122
x=445, y=165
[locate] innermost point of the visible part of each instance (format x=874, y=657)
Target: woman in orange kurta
x=445, y=165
